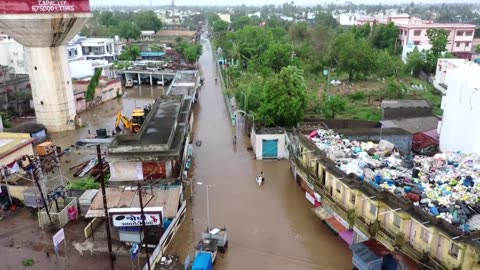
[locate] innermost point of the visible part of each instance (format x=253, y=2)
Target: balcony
x=362, y=225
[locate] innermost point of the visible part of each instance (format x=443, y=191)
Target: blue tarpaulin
x=152, y=54
x=203, y=261
x=364, y=258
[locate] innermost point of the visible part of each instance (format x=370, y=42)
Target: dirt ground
x=21, y=239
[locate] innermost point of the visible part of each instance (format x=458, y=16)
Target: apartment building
x=362, y=206
x=12, y=54
x=460, y=36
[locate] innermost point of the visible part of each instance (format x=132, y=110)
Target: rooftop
x=169, y=199
x=180, y=33
x=11, y=142
x=185, y=83
x=161, y=134
x=405, y=103
x=413, y=125
x=445, y=186
x=266, y=130
x=436, y=25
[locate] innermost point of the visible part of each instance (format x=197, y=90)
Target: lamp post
x=208, y=205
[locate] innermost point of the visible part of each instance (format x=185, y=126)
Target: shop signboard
x=134, y=220
x=360, y=234
x=44, y=6
x=310, y=198
x=341, y=220
x=131, y=217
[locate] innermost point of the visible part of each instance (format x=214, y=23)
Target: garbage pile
x=446, y=185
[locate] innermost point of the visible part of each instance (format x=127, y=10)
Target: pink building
x=460, y=38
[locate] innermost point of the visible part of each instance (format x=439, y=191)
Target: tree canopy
x=284, y=99
x=130, y=53
x=439, y=40
x=128, y=30
x=352, y=55
x=148, y=20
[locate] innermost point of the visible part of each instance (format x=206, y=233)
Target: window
x=352, y=198
x=454, y=250
x=459, y=33
x=416, y=43
x=396, y=220
x=425, y=235
x=468, y=33
x=373, y=209
x=417, y=32
x=339, y=187
x=457, y=44
x=467, y=44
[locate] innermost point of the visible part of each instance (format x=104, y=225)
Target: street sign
x=325, y=72
x=134, y=251
x=58, y=237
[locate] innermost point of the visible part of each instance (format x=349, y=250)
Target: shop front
x=129, y=222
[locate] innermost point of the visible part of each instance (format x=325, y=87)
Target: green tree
x=439, y=40
x=148, y=20
x=192, y=51
x=477, y=49
x=108, y=19
x=277, y=56
x=93, y=84
x=298, y=31
x=415, y=62
x=239, y=22
x=284, y=99
x=352, y=56
x=333, y=105
x=325, y=19
x=130, y=53
x=220, y=26
x=394, y=90
x=156, y=48
x=128, y=30
x=385, y=36
x=387, y=64
x=362, y=31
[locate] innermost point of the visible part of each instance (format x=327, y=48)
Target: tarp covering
x=152, y=54
x=347, y=236
x=203, y=261
x=422, y=140
x=335, y=225
x=364, y=258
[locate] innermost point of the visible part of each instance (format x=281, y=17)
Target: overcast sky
x=259, y=2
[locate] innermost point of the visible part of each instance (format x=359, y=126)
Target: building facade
x=360, y=210
x=459, y=127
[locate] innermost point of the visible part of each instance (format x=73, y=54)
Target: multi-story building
x=99, y=49
x=12, y=54
x=373, y=202
x=460, y=36
x=459, y=127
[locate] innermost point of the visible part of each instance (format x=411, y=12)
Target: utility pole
x=143, y=222
x=36, y=168
x=104, y=197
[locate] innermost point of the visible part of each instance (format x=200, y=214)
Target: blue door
x=270, y=148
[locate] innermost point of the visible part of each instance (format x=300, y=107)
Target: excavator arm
x=124, y=119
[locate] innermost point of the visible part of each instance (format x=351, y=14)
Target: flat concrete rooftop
x=163, y=130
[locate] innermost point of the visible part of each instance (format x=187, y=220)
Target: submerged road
x=269, y=227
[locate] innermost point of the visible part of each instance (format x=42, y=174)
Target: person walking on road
x=215, y=80
x=234, y=139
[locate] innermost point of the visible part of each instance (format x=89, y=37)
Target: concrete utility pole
x=143, y=222
x=105, y=208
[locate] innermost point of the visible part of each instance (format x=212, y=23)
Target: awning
x=335, y=225
x=321, y=213
x=347, y=236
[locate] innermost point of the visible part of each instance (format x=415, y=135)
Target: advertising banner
x=44, y=6
x=129, y=220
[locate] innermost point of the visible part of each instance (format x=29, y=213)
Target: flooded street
x=102, y=116
x=269, y=227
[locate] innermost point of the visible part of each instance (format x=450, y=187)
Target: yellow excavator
x=134, y=124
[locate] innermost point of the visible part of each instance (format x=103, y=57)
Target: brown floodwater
x=269, y=227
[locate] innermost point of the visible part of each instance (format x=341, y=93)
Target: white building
x=269, y=143
x=86, y=68
x=99, y=49
x=410, y=47
x=443, y=68
x=12, y=54
x=460, y=129
x=225, y=17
